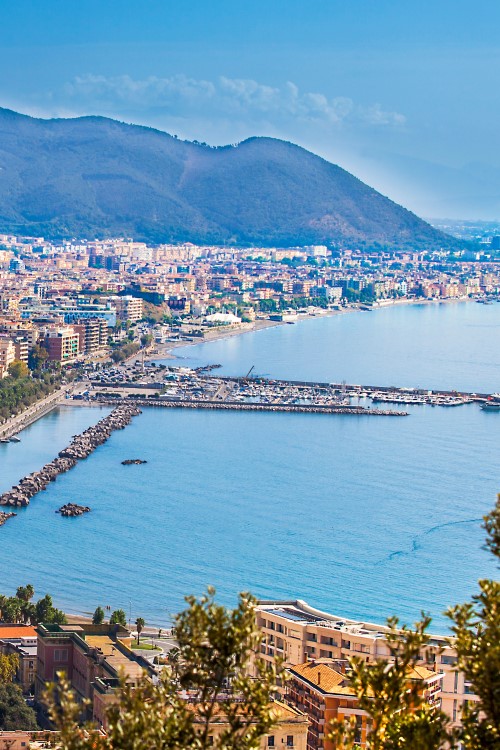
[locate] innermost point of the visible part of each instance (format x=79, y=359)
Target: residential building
x=22, y=641
x=93, y=657
x=294, y=631
x=62, y=343
x=290, y=730
x=7, y=354
x=323, y=691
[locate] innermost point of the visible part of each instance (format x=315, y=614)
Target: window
x=346, y=644
x=210, y=739
x=289, y=740
x=328, y=641
x=270, y=740
x=311, y=637
x=448, y=660
x=455, y=687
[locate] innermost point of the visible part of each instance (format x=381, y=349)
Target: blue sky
x=404, y=94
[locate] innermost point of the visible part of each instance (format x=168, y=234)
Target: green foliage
x=18, y=369
x=139, y=624
x=391, y=694
x=14, y=713
x=47, y=613
x=37, y=357
x=98, y=616
x=17, y=393
x=476, y=626
x=118, y=617
x=9, y=664
x=267, y=192
x=124, y=351
x=19, y=608
x=216, y=647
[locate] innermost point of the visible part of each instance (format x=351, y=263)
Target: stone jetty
x=276, y=407
x=5, y=517
x=80, y=447
x=70, y=510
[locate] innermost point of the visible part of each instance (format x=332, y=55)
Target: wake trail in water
x=415, y=544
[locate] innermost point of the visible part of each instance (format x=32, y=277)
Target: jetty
x=250, y=406
x=5, y=517
x=80, y=448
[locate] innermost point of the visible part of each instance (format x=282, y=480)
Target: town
x=76, y=299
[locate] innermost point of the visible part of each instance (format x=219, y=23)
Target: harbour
x=367, y=517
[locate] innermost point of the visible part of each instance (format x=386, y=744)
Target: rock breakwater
x=70, y=510
x=5, y=517
x=80, y=448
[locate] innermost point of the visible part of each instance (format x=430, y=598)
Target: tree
x=25, y=593
x=98, y=616
x=216, y=647
x=14, y=713
x=399, y=718
x=139, y=623
x=118, y=617
x=392, y=696
x=47, y=613
x=476, y=626
x=9, y=664
x=18, y=369
x=37, y=357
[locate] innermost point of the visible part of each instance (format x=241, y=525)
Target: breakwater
x=80, y=448
x=239, y=406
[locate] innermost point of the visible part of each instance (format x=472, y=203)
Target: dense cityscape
x=77, y=298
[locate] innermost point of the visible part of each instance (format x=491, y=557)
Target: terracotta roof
x=327, y=679
x=421, y=673
x=17, y=631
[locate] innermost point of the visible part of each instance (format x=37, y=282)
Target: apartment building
x=296, y=632
x=62, y=343
x=22, y=641
x=323, y=691
x=7, y=354
x=128, y=308
x=93, y=657
x=92, y=332
x=289, y=731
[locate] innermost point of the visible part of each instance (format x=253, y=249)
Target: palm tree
x=139, y=623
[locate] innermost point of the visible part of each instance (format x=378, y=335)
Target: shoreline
x=260, y=325
x=33, y=413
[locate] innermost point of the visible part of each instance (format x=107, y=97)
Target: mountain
x=96, y=177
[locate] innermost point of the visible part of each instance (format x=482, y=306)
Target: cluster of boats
x=13, y=439
x=416, y=399
x=492, y=404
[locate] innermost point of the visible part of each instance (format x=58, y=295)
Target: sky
x=403, y=93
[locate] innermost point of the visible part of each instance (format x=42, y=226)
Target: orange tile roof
x=327, y=679
x=17, y=631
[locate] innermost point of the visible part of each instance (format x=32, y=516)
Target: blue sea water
x=361, y=516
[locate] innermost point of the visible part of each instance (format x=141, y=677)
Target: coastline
x=33, y=413
x=166, y=351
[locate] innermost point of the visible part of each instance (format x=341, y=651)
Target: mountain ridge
x=94, y=176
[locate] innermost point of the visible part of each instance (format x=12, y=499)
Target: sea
x=363, y=517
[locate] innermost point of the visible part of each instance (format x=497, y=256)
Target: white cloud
x=247, y=100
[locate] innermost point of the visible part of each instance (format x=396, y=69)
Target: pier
x=273, y=407
x=80, y=448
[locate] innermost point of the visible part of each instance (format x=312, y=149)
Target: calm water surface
x=361, y=516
